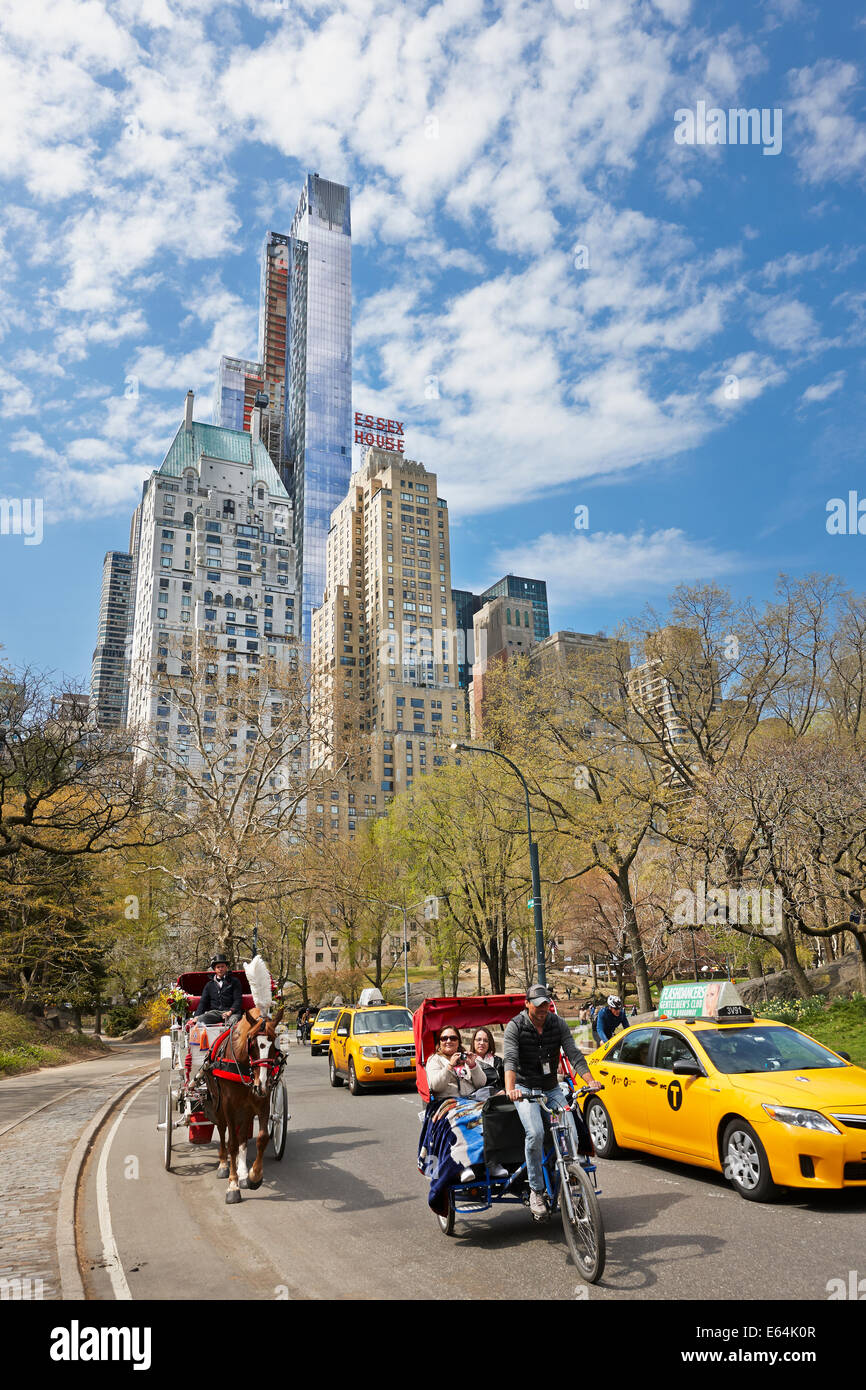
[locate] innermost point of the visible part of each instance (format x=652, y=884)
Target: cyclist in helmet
x=610, y=1017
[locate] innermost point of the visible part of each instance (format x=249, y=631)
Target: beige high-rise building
x=503, y=628
x=384, y=641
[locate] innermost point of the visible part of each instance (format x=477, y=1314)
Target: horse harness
x=222, y=1062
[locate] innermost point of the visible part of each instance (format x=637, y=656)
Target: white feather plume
x=259, y=979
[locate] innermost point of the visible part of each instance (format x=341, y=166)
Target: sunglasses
x=449, y=1037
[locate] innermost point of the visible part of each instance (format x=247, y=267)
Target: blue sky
x=563, y=304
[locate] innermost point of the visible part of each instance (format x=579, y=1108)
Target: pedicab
x=183, y=1051
x=570, y=1178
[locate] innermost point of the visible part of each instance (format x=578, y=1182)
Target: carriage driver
x=222, y=999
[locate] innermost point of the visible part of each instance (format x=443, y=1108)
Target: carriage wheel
x=446, y=1223
x=277, y=1119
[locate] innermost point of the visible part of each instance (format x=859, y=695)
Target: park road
x=345, y=1215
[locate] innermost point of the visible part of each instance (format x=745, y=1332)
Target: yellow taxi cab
x=373, y=1044
x=757, y=1100
x=320, y=1032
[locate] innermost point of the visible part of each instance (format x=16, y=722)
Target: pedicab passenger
x=453, y=1073
x=492, y=1065
x=450, y=1071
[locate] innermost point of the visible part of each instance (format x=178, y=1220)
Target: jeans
x=531, y=1118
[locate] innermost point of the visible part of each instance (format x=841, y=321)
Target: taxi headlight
x=371, y=1052
x=801, y=1119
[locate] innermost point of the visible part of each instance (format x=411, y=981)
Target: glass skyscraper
x=318, y=375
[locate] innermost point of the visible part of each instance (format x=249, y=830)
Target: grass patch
x=25, y=1045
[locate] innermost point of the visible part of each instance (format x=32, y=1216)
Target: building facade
x=215, y=569
x=318, y=375
x=109, y=671
x=383, y=642
x=534, y=591
x=503, y=629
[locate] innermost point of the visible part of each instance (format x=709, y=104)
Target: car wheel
x=355, y=1086
x=333, y=1076
x=600, y=1127
x=746, y=1164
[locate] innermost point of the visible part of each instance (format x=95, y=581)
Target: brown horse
x=239, y=1082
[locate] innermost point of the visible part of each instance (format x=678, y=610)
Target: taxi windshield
x=383, y=1021
x=327, y=1015
x=755, y=1049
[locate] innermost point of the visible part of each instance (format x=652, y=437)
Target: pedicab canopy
x=465, y=1011
x=717, y=1000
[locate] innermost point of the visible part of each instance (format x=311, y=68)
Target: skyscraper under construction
x=304, y=369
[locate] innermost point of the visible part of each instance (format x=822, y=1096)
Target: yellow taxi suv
x=320, y=1033
x=757, y=1100
x=370, y=1046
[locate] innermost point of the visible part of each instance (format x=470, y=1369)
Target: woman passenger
x=450, y=1072
x=493, y=1067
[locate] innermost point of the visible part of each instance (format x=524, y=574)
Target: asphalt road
x=344, y=1215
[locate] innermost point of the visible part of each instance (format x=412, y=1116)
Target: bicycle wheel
x=582, y=1224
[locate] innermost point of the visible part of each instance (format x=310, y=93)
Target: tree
x=233, y=794
x=474, y=854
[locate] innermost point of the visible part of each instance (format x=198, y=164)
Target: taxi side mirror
x=684, y=1068
x=342, y=1032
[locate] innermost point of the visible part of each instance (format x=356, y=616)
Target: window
x=632, y=1048
x=670, y=1048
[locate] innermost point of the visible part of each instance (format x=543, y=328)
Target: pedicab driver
x=531, y=1049
x=222, y=998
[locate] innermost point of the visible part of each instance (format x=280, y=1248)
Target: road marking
x=111, y=1258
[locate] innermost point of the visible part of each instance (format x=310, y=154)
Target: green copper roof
x=236, y=446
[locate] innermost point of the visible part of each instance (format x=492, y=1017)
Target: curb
x=71, y=1285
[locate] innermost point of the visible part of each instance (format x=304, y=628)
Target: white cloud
x=746, y=377
x=821, y=391
x=609, y=564
x=829, y=142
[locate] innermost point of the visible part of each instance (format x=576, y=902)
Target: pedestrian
x=593, y=1012
x=634, y=1010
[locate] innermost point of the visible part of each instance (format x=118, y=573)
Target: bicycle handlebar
x=584, y=1091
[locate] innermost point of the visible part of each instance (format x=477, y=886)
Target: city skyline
x=632, y=362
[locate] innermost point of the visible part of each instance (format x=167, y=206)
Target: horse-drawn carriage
x=215, y=1075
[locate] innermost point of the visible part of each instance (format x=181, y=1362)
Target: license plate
x=403, y=1066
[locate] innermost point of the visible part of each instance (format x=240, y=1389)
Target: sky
x=570, y=291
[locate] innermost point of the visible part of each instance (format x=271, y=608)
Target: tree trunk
x=860, y=938
x=787, y=949
x=641, y=976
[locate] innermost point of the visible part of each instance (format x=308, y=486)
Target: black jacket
x=221, y=994
x=534, y=1057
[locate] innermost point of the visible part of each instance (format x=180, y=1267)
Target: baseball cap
x=538, y=994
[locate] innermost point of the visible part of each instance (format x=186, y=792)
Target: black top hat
x=219, y=960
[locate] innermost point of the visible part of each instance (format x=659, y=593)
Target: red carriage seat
x=195, y=980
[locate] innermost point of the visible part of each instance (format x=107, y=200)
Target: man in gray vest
x=533, y=1041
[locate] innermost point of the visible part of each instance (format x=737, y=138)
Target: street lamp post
x=533, y=856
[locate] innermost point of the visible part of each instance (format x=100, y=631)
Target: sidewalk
x=35, y=1150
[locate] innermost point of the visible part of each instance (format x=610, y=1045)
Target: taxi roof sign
x=713, y=999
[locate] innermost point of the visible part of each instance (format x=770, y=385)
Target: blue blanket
x=460, y=1127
